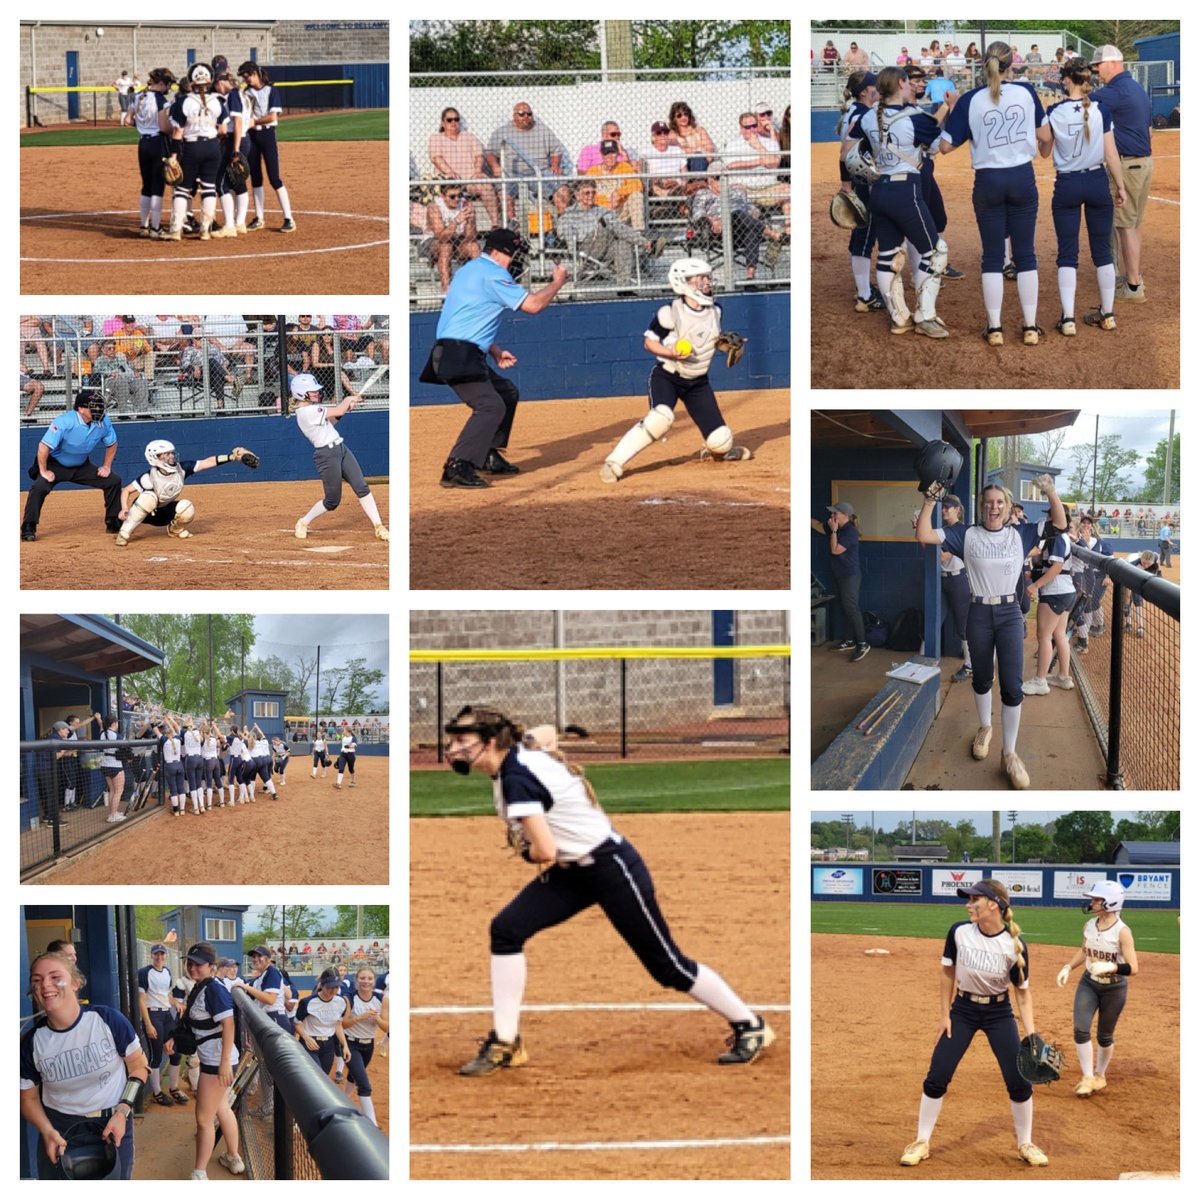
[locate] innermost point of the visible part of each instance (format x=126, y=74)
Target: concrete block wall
x=595, y=349
x=285, y=452
x=331, y=41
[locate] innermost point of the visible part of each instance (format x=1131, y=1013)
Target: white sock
x=983, y=706
x=173, y=1075
x=368, y=1106
x=369, y=507
x=884, y=281
x=258, y=203
x=284, y=203
x=1103, y=1058
x=314, y=512
x=993, y=297
x=508, y=990
x=1106, y=280
x=194, y=1073
x=69, y=796
x=156, y=203
x=1008, y=250
x=243, y=207
x=1027, y=290
x=1010, y=722
x=208, y=206
x=1023, y=1120
x=927, y=1118
x=861, y=269
x=1066, y=290
x=227, y=208
x=966, y=653
x=156, y=1079
x=144, y=215
x=712, y=991
x=179, y=208
x=339, y=778
x=1084, y=1053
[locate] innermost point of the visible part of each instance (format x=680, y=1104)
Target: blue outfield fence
x=1059, y=885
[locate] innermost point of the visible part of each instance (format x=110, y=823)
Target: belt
x=97, y=1114
x=1001, y=998
x=1087, y=171
x=1127, y=157
x=893, y=178
x=362, y=1041
x=589, y=859
x=951, y=574
x=992, y=599
x=160, y=1010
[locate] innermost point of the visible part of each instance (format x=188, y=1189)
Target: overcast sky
x=1138, y=431
x=340, y=638
x=983, y=820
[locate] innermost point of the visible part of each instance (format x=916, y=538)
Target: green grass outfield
x=1153, y=928
x=748, y=785
x=367, y=125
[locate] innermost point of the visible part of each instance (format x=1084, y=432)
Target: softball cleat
x=301, y=529
x=914, y=1153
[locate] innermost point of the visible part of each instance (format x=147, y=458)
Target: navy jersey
x=1001, y=135
x=847, y=563
x=852, y=130
x=1072, y=150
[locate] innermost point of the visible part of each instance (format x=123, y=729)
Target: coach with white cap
x=1129, y=104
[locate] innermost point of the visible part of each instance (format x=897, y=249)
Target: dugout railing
x=64, y=794
x=206, y=374
x=1129, y=676
x=644, y=702
x=293, y=1123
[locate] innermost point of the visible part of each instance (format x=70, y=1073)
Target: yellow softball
x=684, y=347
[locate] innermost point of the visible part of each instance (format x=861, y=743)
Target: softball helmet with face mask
x=200, y=75
x=156, y=451
x=1108, y=890
x=681, y=274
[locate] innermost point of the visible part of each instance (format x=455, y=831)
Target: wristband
x=222, y=459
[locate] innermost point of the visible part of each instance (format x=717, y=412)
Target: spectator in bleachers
x=133, y=342
x=33, y=332
x=972, y=55
x=903, y=58
x=1052, y=72
x=300, y=343
x=926, y=59
x=34, y=390
x=231, y=335
x=458, y=154
x=785, y=145
x=664, y=163
x=590, y=155
x=585, y=228
x=451, y=223
x=937, y=88
x=124, y=388
x=191, y=367
x=956, y=65
x=755, y=159
x=856, y=59
x=617, y=187
x=166, y=336
x=380, y=325
x=526, y=148
x=766, y=121
x=830, y=58
x=749, y=230
x=1033, y=63
x=1018, y=62
x=691, y=138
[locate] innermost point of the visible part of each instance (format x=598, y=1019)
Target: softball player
x=193, y=764
x=171, y=752
x=264, y=104
x=693, y=318
x=362, y=1019
x=158, y=1020
x=551, y=808
x=982, y=956
x=1083, y=146
x=280, y=755
x=212, y=741
x=82, y=1070
x=1055, y=590
x=197, y=120
x=234, y=198
x=248, y=769
x=955, y=587
x=1109, y=959
x=1004, y=123
x=113, y=769
x=899, y=135
x=267, y=988
x=860, y=88
x=334, y=459
x=319, y=1022
x=261, y=755
x=320, y=755
x=1144, y=560
x=1091, y=586
x=347, y=758
x=150, y=115
x=234, y=769
x=993, y=552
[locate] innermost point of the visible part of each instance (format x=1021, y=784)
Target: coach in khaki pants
x=1129, y=105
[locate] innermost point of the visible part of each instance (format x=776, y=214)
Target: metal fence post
x=54, y=816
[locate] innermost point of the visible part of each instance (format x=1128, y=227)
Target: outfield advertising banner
x=1146, y=885
x=1026, y=885
x=1070, y=885
x=896, y=881
x=837, y=881
x=947, y=883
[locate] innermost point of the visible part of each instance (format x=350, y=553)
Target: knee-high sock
x=258, y=203
x=156, y=1079
x=243, y=207
x=508, y=990
x=861, y=269
x=227, y=207
x=1083, y=1052
x=1106, y=280
x=1010, y=722
x=368, y=1106
x=144, y=210
x=370, y=508
x=314, y=512
x=966, y=653
x=156, y=203
x=208, y=206
x=1027, y=291
x=1023, y=1120
x=173, y=1075
x=993, y=297
x=1103, y=1058
x=711, y=990
x=284, y=202
x=983, y=706
x=927, y=1117
x=1066, y=290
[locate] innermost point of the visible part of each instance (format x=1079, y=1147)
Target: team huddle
x=890, y=198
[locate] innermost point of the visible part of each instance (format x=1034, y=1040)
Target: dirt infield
x=1142, y=353
x=79, y=218
x=885, y=1011
x=602, y=1076
x=285, y=841
x=243, y=537
x=672, y=522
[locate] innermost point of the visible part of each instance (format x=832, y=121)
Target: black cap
x=261, y=950
x=507, y=241
x=608, y=146
x=201, y=954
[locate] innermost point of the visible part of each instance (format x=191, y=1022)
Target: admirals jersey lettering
x=985, y=964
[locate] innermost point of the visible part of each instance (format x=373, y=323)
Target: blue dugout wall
x=1058, y=886
x=577, y=351
x=285, y=452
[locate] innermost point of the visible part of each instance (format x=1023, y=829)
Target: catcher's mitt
x=734, y=346
x=847, y=211
x=238, y=171
x=246, y=457
x=1038, y=1060
x=172, y=171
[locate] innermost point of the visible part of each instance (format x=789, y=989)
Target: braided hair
x=1079, y=72
x=1013, y=928
x=887, y=84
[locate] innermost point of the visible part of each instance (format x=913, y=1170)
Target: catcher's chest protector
x=701, y=329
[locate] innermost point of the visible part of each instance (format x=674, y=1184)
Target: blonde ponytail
x=1015, y=932
x=999, y=60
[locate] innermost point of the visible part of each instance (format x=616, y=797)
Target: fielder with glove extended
x=684, y=335
x=983, y=957
x=1109, y=960
x=155, y=497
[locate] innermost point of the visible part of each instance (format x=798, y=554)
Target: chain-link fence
x=180, y=366
x=619, y=702
x=64, y=793
x=699, y=165
x=1125, y=660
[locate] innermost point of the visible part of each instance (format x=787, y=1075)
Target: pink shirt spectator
x=347, y=321
x=590, y=156
x=112, y=326
x=459, y=154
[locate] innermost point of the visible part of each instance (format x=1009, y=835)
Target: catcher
x=684, y=335
x=982, y=956
x=155, y=496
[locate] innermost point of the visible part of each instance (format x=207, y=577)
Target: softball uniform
x=320, y=1019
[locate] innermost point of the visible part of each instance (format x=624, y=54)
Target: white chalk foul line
x=526, y=1147
x=472, y=1009
x=1164, y=200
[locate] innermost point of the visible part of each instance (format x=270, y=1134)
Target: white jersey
x=198, y=116
x=1001, y=135
x=677, y=322
x=155, y=986
x=532, y=783
x=145, y=112
x=109, y=757
x=79, y=1069
x=192, y=744
x=235, y=747
x=1103, y=945
x=315, y=425
x=166, y=485
x=984, y=964
x=899, y=148
x=211, y=1039
x=171, y=750
x=262, y=748
x=319, y=746
x=210, y=746
x=364, y=1031
x=320, y=1016
x=349, y=745
x=271, y=980
x=993, y=559
x=1060, y=551
x=1072, y=151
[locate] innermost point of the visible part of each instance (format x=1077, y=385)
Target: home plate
x=326, y=549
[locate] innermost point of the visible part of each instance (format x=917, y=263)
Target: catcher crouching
x=155, y=497
x=684, y=335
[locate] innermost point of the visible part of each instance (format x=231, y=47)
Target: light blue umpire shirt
x=71, y=441
x=480, y=293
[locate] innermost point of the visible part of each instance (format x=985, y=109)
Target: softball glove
x=1038, y=1060
x=172, y=171
x=734, y=346
x=237, y=172
x=246, y=457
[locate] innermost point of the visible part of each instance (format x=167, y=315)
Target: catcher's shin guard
x=185, y=512
x=895, y=288
x=719, y=445
x=651, y=428
x=143, y=506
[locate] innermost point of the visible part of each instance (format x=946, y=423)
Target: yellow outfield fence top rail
x=555, y=654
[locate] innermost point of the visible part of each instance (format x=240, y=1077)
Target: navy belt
x=951, y=574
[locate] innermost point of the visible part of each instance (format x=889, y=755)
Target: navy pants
x=176, y=783
x=1108, y=999
x=152, y=149
x=899, y=210
x=995, y=629
x=325, y=1053
x=932, y=195
x=957, y=591
x=966, y=1020
x=200, y=161
x=1086, y=190
x=193, y=767
x=261, y=148
x=863, y=240
x=165, y=1021
x=360, y=1059
x=619, y=882
x=1006, y=206
x=697, y=395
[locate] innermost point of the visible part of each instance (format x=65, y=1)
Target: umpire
x=480, y=293
x=64, y=456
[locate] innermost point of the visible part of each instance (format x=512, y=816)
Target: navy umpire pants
x=999, y=1026
x=87, y=474
x=616, y=879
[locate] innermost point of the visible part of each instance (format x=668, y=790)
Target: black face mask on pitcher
x=462, y=766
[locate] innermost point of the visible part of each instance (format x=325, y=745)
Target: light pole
x=848, y=820
x=1012, y=816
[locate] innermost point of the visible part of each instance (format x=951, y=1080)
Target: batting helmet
x=90, y=1160
x=682, y=271
x=936, y=462
x=301, y=385
x=1108, y=890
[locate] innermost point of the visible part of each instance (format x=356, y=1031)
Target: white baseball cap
x=303, y=384
x=1107, y=54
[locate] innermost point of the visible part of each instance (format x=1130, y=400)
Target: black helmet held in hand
x=936, y=462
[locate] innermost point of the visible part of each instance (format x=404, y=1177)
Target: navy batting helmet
x=90, y=1160
x=936, y=462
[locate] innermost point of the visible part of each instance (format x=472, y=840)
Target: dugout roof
x=857, y=428
x=88, y=643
